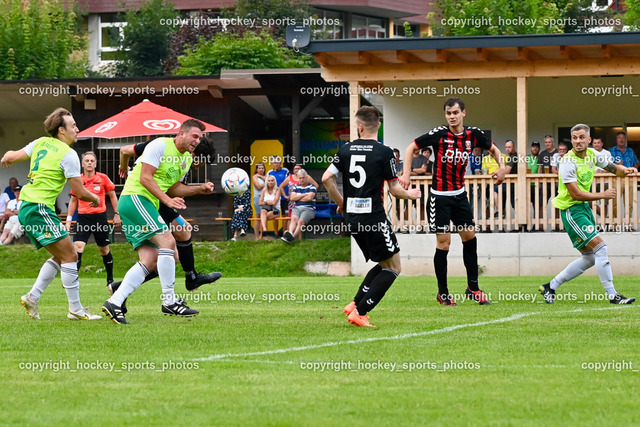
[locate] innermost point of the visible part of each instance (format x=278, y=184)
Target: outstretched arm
x=10, y=157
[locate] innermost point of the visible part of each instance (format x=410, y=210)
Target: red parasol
x=145, y=118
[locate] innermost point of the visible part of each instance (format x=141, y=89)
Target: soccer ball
x=235, y=181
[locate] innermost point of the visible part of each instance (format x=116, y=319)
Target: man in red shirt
x=93, y=220
x=448, y=201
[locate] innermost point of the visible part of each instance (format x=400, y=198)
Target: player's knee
x=589, y=257
x=444, y=246
x=166, y=241
x=182, y=234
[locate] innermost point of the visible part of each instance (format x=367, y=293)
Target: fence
x=498, y=208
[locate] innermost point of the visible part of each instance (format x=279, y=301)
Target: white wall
x=507, y=254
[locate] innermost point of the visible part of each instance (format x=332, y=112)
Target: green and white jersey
x=171, y=165
x=52, y=163
x=572, y=168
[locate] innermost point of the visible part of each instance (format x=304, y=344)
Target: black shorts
x=168, y=214
x=96, y=224
x=443, y=210
x=375, y=237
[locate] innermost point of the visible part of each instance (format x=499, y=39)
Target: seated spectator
x=280, y=174
x=291, y=181
x=304, y=195
x=4, y=199
x=12, y=228
x=13, y=182
x=258, y=180
x=269, y=202
x=241, y=212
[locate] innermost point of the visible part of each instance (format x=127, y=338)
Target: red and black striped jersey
x=451, y=153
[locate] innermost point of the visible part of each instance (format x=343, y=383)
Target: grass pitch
x=297, y=361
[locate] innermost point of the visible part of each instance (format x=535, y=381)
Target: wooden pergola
x=370, y=62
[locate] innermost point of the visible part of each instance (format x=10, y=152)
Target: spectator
x=4, y=200
x=598, y=147
x=532, y=160
x=241, y=212
x=532, y=167
x=291, y=181
x=474, y=167
x=427, y=155
x=280, y=174
x=304, y=195
x=625, y=156
x=544, y=158
x=259, y=178
x=563, y=148
x=13, y=182
x=399, y=164
x=418, y=164
x=12, y=228
x=489, y=167
x=269, y=206
x=512, y=168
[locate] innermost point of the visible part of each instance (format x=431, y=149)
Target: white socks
x=48, y=272
x=167, y=273
x=600, y=258
x=69, y=275
x=603, y=267
x=574, y=269
x=131, y=281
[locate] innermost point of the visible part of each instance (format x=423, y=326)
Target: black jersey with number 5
x=451, y=153
x=365, y=165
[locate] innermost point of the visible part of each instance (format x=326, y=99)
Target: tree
x=632, y=15
x=146, y=39
x=232, y=51
x=40, y=40
x=500, y=17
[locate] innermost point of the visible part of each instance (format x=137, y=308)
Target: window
x=363, y=27
x=332, y=25
x=111, y=32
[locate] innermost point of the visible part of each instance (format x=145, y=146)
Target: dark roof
x=427, y=43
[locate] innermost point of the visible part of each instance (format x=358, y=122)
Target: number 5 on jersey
x=354, y=168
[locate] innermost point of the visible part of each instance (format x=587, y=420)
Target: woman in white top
x=258, y=184
x=269, y=201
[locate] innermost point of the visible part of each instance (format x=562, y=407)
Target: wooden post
x=522, y=188
x=354, y=105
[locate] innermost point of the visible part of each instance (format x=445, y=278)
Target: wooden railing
x=500, y=208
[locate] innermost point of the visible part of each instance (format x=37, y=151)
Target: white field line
x=395, y=337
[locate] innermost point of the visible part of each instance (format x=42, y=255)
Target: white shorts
x=16, y=229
